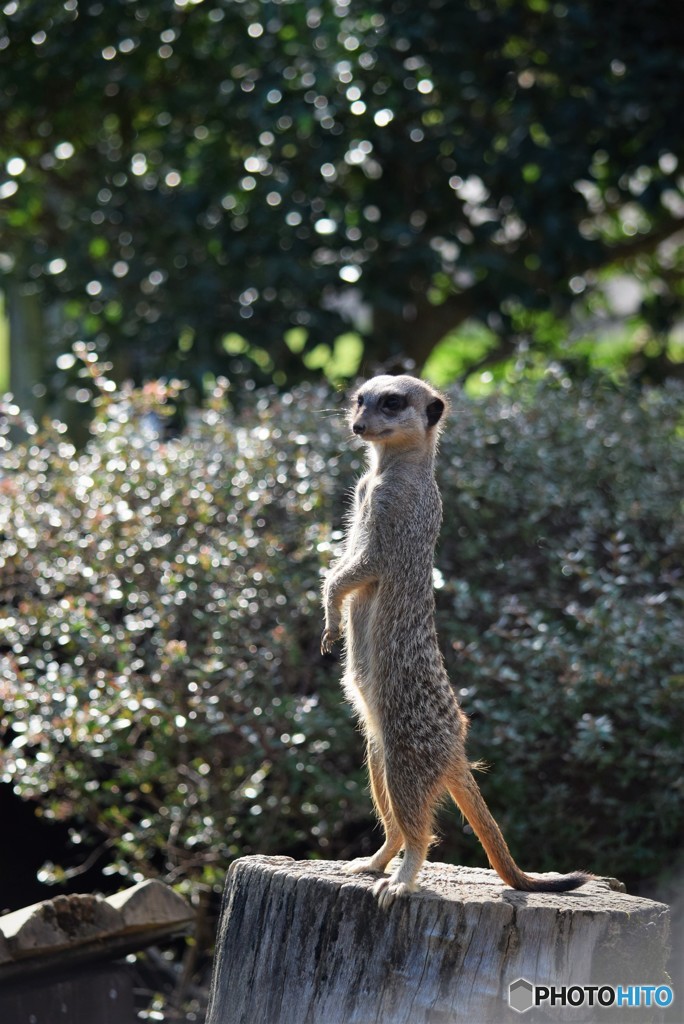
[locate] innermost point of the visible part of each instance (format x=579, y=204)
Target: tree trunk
x=306, y=943
x=27, y=355
x=413, y=333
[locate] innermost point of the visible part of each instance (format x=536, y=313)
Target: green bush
x=161, y=681
x=561, y=615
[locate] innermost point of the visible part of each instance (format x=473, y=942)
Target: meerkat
x=379, y=597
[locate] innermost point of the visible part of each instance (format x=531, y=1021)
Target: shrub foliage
x=161, y=682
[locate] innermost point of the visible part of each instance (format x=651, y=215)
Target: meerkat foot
x=371, y=865
x=362, y=866
x=387, y=891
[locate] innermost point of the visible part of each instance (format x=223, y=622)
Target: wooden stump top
x=305, y=942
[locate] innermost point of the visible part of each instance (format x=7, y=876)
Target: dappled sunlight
x=233, y=169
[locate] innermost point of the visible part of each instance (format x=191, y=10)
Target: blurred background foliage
x=162, y=687
x=271, y=190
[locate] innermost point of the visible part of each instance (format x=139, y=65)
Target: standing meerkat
x=379, y=596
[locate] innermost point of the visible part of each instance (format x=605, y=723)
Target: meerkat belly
x=387, y=653
x=361, y=642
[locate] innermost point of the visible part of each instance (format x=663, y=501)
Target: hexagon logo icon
x=521, y=995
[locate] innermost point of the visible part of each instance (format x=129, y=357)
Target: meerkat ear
x=434, y=411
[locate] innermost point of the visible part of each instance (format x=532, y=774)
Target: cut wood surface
x=305, y=942
x=80, y=927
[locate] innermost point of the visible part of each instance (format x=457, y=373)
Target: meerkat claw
x=388, y=891
x=327, y=642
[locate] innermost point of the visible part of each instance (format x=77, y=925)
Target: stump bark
x=304, y=942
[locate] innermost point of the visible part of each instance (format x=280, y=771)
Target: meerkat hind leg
x=416, y=828
x=393, y=837
x=402, y=881
x=379, y=861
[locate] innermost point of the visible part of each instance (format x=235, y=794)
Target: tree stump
x=302, y=942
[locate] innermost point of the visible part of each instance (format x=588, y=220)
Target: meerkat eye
x=359, y=401
x=393, y=403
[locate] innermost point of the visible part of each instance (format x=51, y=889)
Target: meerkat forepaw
x=328, y=639
x=388, y=891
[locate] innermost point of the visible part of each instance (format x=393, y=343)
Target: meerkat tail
x=466, y=794
x=564, y=883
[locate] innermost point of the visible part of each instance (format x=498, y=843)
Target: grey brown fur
x=379, y=596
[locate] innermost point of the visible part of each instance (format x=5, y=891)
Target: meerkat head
x=398, y=410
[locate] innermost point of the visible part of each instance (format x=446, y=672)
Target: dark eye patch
x=393, y=403
x=359, y=400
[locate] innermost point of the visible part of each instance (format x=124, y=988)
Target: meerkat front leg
x=344, y=580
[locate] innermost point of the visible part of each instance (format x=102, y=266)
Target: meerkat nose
x=359, y=428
